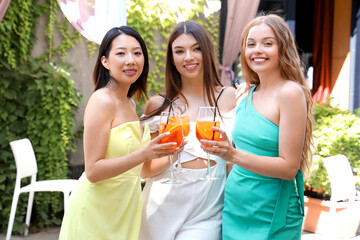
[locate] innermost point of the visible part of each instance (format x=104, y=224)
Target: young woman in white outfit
x=191, y=209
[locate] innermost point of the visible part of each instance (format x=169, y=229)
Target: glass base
x=206, y=178
x=181, y=170
x=170, y=181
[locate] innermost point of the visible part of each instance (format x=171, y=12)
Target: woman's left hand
x=240, y=89
x=221, y=148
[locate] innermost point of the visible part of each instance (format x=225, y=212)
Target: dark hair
x=173, y=83
x=101, y=75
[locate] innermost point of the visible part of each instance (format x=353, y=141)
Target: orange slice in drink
x=176, y=133
x=204, y=131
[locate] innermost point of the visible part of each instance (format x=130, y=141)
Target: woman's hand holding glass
x=221, y=148
x=207, y=118
x=159, y=150
x=182, y=108
x=171, y=122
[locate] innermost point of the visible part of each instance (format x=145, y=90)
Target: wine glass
x=170, y=121
x=182, y=108
x=207, y=118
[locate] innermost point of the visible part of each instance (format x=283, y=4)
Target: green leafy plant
x=336, y=132
x=17, y=31
x=37, y=101
x=37, y=95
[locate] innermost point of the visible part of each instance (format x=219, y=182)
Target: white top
x=192, y=149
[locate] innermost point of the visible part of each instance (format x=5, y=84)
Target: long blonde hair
x=290, y=66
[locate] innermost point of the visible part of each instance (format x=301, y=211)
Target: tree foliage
x=37, y=95
x=336, y=132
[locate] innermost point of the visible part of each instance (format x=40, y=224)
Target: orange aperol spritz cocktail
x=175, y=128
x=170, y=121
x=207, y=118
x=204, y=130
x=186, y=124
x=182, y=108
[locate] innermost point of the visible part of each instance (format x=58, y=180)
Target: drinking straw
x=216, y=101
x=171, y=105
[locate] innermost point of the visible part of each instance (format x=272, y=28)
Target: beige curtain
x=93, y=18
x=4, y=4
x=240, y=12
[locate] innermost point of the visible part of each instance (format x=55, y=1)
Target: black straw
x=217, y=102
x=171, y=105
x=215, y=111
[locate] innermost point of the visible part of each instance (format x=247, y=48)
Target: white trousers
x=190, y=210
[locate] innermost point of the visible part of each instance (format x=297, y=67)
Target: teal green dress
x=258, y=207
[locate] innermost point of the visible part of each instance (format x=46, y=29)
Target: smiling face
x=126, y=60
x=262, y=50
x=187, y=57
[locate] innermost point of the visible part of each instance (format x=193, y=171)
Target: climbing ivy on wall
x=37, y=101
x=17, y=31
x=37, y=95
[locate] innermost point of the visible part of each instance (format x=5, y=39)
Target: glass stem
x=171, y=167
x=208, y=165
x=178, y=159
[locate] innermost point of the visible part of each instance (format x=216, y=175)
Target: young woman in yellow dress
x=107, y=202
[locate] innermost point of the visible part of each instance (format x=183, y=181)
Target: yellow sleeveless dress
x=109, y=209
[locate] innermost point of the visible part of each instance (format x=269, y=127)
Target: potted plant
x=335, y=132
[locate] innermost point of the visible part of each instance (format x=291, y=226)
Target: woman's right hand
x=222, y=149
x=157, y=161
x=159, y=150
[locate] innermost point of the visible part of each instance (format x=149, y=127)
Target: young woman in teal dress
x=272, y=135
x=107, y=202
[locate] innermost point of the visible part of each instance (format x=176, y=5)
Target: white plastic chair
x=342, y=181
x=26, y=166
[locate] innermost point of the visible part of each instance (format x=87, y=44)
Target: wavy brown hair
x=290, y=65
x=173, y=83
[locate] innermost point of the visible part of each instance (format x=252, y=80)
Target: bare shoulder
x=153, y=103
x=101, y=100
x=227, y=100
x=229, y=90
x=291, y=91
x=100, y=109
